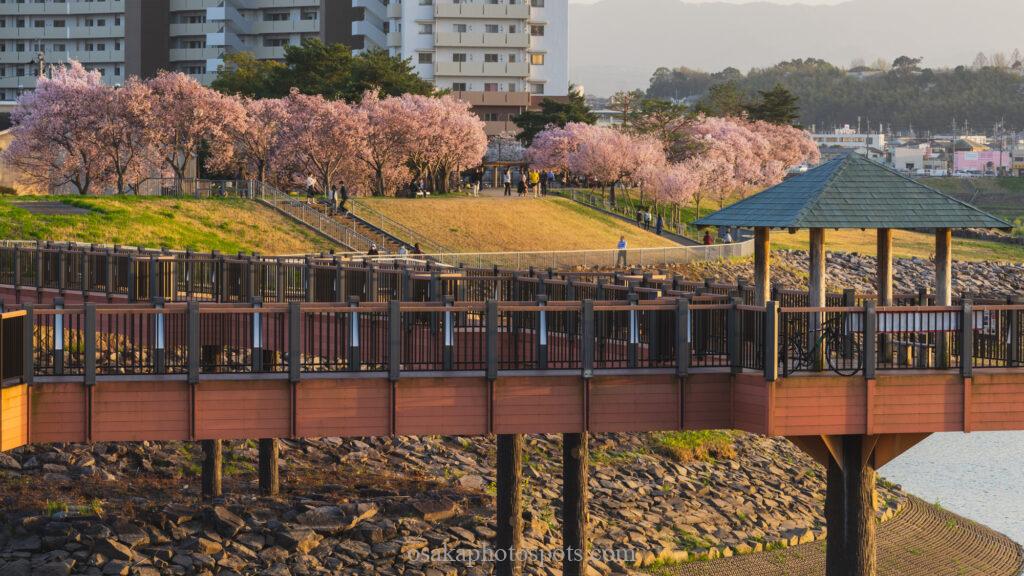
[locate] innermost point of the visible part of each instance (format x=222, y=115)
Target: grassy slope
x=1001, y=196
x=513, y=224
x=229, y=225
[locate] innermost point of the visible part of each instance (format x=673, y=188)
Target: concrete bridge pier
x=213, y=459
x=510, y=504
x=575, y=538
x=270, y=479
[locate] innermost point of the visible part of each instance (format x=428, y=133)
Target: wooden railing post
x=448, y=353
x=193, y=342
x=633, y=344
x=682, y=337
x=89, y=362
x=257, y=336
x=159, y=352
x=1013, y=352
x=870, y=339
x=771, y=341
x=132, y=280
x=394, y=340
x=294, y=342
x=354, y=360
x=967, y=339
x=28, y=335
x=542, y=333
x=492, y=339
x=733, y=337
x=58, y=338
x=587, y=340
x=61, y=276
x=17, y=269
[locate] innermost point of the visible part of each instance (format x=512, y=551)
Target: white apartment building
x=850, y=138
x=500, y=55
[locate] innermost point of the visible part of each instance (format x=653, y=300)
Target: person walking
x=342, y=197
x=659, y=227
x=373, y=251
x=506, y=179
x=521, y=189
x=620, y=258
x=647, y=220
x=727, y=239
x=640, y=217
x=310, y=188
x=708, y=240
x=534, y=182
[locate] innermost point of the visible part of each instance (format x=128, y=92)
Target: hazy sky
x=809, y=2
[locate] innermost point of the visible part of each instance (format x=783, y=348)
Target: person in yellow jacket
x=535, y=182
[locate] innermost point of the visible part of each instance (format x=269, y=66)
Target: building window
x=536, y=88
x=60, y=48
x=275, y=42
x=512, y=87
x=426, y=58
x=513, y=58
x=490, y=87
x=512, y=29
x=310, y=15
x=459, y=87
x=460, y=28
x=537, y=3
x=491, y=117
x=537, y=59
x=39, y=23
x=275, y=17
x=492, y=29
x=59, y=24
x=459, y=57
x=537, y=30
x=426, y=28
x=490, y=58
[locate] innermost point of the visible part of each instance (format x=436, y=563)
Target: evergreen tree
x=777, y=106
x=554, y=113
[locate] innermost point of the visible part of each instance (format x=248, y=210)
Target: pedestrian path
x=923, y=540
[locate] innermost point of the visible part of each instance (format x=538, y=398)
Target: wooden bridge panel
x=343, y=407
x=918, y=402
x=132, y=410
x=750, y=404
x=445, y=406
x=634, y=404
x=242, y=409
x=998, y=401
x=58, y=413
x=13, y=417
x=538, y=405
x=707, y=401
x=825, y=404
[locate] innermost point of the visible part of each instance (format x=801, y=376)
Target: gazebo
x=852, y=192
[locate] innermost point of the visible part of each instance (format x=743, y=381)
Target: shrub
x=695, y=445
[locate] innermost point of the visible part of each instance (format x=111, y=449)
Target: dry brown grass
x=513, y=224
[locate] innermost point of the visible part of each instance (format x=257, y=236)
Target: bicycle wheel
x=792, y=356
x=842, y=354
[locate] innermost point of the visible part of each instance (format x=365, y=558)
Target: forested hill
x=925, y=99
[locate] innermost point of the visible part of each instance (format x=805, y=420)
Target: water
x=979, y=475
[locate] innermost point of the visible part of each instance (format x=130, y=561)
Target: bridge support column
x=213, y=459
x=510, y=503
x=850, y=506
x=270, y=479
x=575, y=538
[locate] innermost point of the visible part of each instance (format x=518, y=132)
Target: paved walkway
x=921, y=541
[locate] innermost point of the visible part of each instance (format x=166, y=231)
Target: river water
x=979, y=475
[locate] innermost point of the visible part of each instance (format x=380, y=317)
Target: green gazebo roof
x=852, y=192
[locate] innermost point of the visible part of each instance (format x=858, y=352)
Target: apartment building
x=500, y=55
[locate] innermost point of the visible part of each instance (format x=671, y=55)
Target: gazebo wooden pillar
x=816, y=289
x=762, y=266
x=884, y=268
x=943, y=289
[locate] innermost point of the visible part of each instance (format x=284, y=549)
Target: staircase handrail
x=301, y=211
x=396, y=229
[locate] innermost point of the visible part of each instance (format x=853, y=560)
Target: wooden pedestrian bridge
x=113, y=344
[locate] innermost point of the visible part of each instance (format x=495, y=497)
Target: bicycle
x=839, y=344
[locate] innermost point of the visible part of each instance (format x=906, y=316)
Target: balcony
x=394, y=10
x=482, y=69
x=194, y=29
x=194, y=54
x=480, y=40
x=286, y=27
x=501, y=127
x=61, y=9
x=488, y=11
x=519, y=99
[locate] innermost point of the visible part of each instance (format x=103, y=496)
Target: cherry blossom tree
x=390, y=125
x=610, y=156
x=255, y=141
x=188, y=116
x=124, y=136
x=551, y=149
x=54, y=128
x=322, y=138
x=449, y=137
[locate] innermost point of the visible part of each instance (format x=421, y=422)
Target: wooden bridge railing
x=90, y=340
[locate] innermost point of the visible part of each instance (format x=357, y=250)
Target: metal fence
x=577, y=259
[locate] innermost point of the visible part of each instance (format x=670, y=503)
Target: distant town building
x=989, y=162
x=850, y=139
x=608, y=118
x=919, y=160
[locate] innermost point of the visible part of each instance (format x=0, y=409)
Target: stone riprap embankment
x=381, y=506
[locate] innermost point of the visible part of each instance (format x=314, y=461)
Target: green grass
x=228, y=225
x=686, y=446
x=512, y=224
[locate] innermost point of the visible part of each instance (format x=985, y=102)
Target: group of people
x=530, y=182
x=644, y=219
x=725, y=238
x=337, y=195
